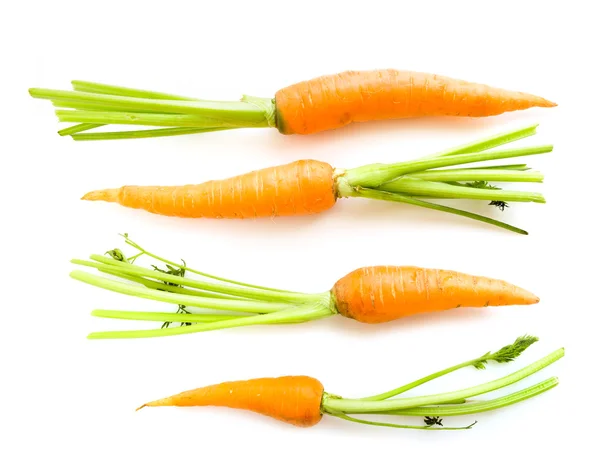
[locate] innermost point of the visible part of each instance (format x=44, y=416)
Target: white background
x=67, y=403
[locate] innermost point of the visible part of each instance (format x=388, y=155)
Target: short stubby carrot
x=324, y=103
x=302, y=400
x=383, y=293
x=374, y=294
x=306, y=187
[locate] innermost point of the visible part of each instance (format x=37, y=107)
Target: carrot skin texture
x=333, y=101
x=384, y=293
x=298, y=188
x=291, y=399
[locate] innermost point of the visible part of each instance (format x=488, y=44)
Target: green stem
x=501, y=175
x=154, y=132
x=375, y=175
x=82, y=127
x=409, y=186
x=521, y=167
x=490, y=142
x=157, y=120
x=385, y=196
x=142, y=250
x=187, y=300
x=394, y=425
x=161, y=317
x=219, y=110
x=471, y=408
x=154, y=284
x=95, y=87
x=338, y=405
x=286, y=315
x=253, y=293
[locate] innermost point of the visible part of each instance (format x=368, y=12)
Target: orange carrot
x=302, y=187
x=292, y=399
x=325, y=103
x=302, y=401
x=332, y=101
x=375, y=294
x=383, y=293
x=308, y=186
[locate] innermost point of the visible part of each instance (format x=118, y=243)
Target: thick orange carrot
x=384, y=293
x=332, y=101
x=292, y=399
x=299, y=188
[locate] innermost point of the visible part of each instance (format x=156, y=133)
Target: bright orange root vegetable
x=333, y=101
x=383, y=293
x=292, y=399
x=301, y=187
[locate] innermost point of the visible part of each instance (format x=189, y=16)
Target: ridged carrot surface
x=383, y=293
x=292, y=399
x=298, y=188
x=332, y=101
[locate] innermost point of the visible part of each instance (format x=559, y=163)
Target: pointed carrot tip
x=140, y=407
x=108, y=195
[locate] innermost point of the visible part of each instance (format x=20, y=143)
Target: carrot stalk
x=395, y=197
x=158, y=132
x=82, y=127
x=97, y=88
x=375, y=175
x=504, y=355
x=465, y=174
x=347, y=405
x=394, y=425
x=302, y=313
x=472, y=407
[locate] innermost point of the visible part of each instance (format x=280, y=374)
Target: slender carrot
x=308, y=186
x=324, y=103
x=302, y=401
x=375, y=294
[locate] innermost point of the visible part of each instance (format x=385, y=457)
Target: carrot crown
x=456, y=403
x=91, y=105
x=437, y=177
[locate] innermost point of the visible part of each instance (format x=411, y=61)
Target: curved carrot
x=309, y=186
x=302, y=401
x=292, y=399
x=299, y=188
x=383, y=293
x=325, y=103
x=333, y=101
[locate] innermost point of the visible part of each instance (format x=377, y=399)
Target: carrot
x=308, y=186
x=302, y=401
x=375, y=294
x=383, y=293
x=292, y=399
x=324, y=103
x=302, y=187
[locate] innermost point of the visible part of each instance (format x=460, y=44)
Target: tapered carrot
x=325, y=103
x=374, y=294
x=302, y=401
x=308, y=186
